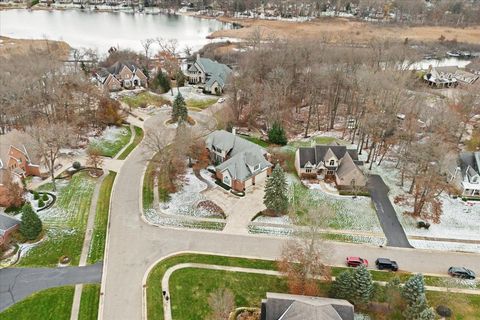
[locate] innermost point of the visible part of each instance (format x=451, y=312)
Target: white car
x=221, y=100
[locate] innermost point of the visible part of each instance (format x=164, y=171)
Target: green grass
x=50, y=304
x=154, y=289
x=97, y=245
x=64, y=224
x=317, y=140
x=89, y=302
x=200, y=103
x=145, y=99
x=190, y=289
x=260, y=142
x=110, y=148
x=148, y=187
x=136, y=140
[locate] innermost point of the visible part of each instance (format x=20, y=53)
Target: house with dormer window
x=332, y=162
x=210, y=74
x=239, y=163
x=466, y=174
x=121, y=75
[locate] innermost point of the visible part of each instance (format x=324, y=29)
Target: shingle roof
x=215, y=71
x=7, y=222
x=306, y=155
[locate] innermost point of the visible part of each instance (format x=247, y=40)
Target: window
x=308, y=170
x=227, y=180
x=256, y=167
x=332, y=162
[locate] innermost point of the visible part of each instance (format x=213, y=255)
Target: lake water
x=102, y=30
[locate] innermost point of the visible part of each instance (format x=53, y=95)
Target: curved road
x=133, y=245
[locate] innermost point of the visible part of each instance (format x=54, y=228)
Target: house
x=280, y=306
x=240, y=163
x=20, y=163
x=8, y=225
x=444, y=77
x=211, y=74
x=330, y=162
x=466, y=174
x=120, y=75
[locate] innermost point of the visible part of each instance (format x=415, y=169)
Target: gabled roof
x=215, y=72
x=241, y=165
x=7, y=222
x=329, y=154
x=306, y=155
x=229, y=142
x=317, y=154
x=347, y=167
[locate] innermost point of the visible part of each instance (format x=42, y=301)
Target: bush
x=45, y=197
x=41, y=204
x=422, y=224
x=223, y=185
x=444, y=311
x=13, y=210
x=76, y=165
x=36, y=196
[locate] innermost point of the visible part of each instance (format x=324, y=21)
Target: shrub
x=223, y=185
x=444, y=311
x=41, y=204
x=45, y=197
x=277, y=134
x=31, y=225
x=13, y=209
x=76, y=165
x=36, y=196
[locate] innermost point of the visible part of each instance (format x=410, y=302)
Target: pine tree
x=342, y=287
x=179, y=109
x=161, y=81
x=31, y=225
x=414, y=289
x=362, y=285
x=277, y=134
x=275, y=198
x=419, y=310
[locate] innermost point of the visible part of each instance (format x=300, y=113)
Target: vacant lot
x=11, y=47
x=346, y=30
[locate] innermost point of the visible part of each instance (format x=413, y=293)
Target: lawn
x=190, y=288
x=89, y=302
x=200, y=103
x=64, y=224
x=54, y=304
x=260, y=142
x=136, y=140
x=112, y=141
x=97, y=246
x=317, y=140
x=145, y=99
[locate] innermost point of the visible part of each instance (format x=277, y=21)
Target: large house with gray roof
x=121, y=75
x=280, y=306
x=238, y=162
x=330, y=162
x=211, y=74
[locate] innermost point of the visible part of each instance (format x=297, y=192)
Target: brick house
x=330, y=162
x=20, y=163
x=121, y=75
x=240, y=163
x=8, y=225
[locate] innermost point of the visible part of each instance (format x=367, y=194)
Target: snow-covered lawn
x=112, y=140
x=185, y=201
x=349, y=213
x=459, y=220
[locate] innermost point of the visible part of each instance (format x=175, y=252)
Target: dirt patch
x=10, y=47
x=342, y=30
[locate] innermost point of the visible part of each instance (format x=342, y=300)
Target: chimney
x=234, y=131
x=198, y=56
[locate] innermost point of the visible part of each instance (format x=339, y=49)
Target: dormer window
x=332, y=162
x=256, y=167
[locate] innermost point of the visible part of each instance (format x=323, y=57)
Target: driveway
x=392, y=228
x=18, y=283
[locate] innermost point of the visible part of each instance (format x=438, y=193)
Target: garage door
x=260, y=178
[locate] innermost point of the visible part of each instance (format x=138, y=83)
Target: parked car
x=384, y=263
x=461, y=272
x=221, y=100
x=356, y=261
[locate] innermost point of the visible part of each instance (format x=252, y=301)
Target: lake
x=102, y=30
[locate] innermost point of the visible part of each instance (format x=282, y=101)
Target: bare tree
x=95, y=158
x=222, y=303
x=146, y=44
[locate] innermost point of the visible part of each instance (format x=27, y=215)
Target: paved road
x=18, y=283
x=392, y=228
x=133, y=245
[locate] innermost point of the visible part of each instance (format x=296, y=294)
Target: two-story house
x=120, y=75
x=466, y=174
x=20, y=163
x=330, y=162
x=240, y=163
x=211, y=74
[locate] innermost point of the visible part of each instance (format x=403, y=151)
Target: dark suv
x=461, y=272
x=384, y=263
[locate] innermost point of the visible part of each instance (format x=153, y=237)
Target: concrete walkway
x=387, y=216
x=18, y=283
x=167, y=310
x=86, y=246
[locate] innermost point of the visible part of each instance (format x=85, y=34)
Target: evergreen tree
x=414, y=289
x=275, y=198
x=362, y=285
x=31, y=225
x=342, y=286
x=277, y=135
x=419, y=311
x=162, y=82
x=179, y=109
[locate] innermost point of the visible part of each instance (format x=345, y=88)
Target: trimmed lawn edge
x=136, y=140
